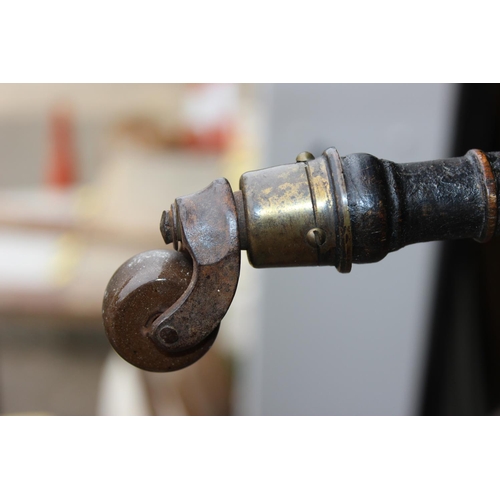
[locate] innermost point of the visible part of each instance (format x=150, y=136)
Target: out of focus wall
x=134, y=149
x=349, y=344
x=24, y=120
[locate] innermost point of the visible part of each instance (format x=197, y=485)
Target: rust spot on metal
x=491, y=195
x=207, y=222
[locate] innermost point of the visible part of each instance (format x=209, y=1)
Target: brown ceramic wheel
x=141, y=289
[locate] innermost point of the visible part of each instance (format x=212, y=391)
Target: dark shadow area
x=463, y=363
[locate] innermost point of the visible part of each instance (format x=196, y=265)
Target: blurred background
x=85, y=173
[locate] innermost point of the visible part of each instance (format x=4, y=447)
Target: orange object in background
x=209, y=115
x=61, y=169
x=214, y=140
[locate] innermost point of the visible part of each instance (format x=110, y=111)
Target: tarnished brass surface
x=279, y=213
x=343, y=231
x=304, y=156
x=298, y=215
x=490, y=192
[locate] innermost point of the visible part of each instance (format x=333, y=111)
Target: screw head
x=166, y=227
x=316, y=237
x=304, y=156
x=167, y=335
